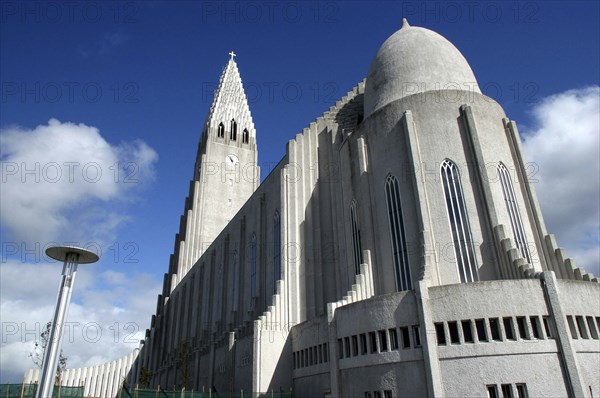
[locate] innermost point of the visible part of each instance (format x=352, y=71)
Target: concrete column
x=334, y=368
x=532, y=205
x=567, y=352
x=428, y=339
x=483, y=179
x=425, y=222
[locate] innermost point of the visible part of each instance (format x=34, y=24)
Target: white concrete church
x=397, y=250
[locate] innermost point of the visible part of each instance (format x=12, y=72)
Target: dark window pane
x=535, y=327
x=405, y=337
x=467, y=332
x=393, y=339
x=383, y=340
x=417, y=334
x=495, y=329
x=522, y=326
x=492, y=391
x=439, y=332
x=481, y=333
x=373, y=338
x=509, y=329
x=453, y=329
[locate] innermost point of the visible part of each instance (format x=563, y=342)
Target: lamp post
x=71, y=256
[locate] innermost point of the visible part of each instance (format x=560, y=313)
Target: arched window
x=245, y=136
x=397, y=234
x=356, y=243
x=459, y=222
x=253, y=266
x=234, y=282
x=219, y=297
x=221, y=131
x=276, y=249
x=233, y=131
x=513, y=211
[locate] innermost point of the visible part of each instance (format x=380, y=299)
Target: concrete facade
x=398, y=249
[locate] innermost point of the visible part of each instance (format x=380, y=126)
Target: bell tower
x=226, y=172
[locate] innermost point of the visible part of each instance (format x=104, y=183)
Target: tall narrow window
x=219, y=295
x=356, y=244
x=221, y=131
x=513, y=211
x=233, y=131
x=397, y=234
x=245, y=136
x=276, y=249
x=234, y=282
x=253, y=266
x=459, y=222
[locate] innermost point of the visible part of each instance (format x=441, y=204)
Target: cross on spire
x=232, y=54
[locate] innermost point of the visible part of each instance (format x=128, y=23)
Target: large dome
x=414, y=60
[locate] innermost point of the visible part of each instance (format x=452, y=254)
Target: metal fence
x=29, y=390
x=160, y=393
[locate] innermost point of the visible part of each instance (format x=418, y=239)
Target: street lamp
x=71, y=256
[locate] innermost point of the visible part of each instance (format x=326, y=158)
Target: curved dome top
x=415, y=60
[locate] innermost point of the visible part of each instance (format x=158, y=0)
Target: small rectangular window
x=376, y=394
x=383, y=340
x=305, y=357
x=548, y=327
x=387, y=394
x=592, y=327
x=522, y=390
x=373, y=338
x=495, y=329
x=522, y=327
x=367, y=394
x=320, y=351
x=393, y=339
x=310, y=357
x=354, y=345
x=509, y=329
x=405, y=336
x=347, y=346
x=467, y=332
x=417, y=335
x=453, y=329
x=363, y=344
x=325, y=352
x=572, y=327
x=439, y=333
x=536, y=328
x=582, y=328
x=341, y=348
x=294, y=360
x=480, y=326
x=507, y=391
x=492, y=391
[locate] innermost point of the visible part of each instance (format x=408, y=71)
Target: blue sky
x=136, y=80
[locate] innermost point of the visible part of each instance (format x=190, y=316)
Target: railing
x=160, y=393
x=29, y=391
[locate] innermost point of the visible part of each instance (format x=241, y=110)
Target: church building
x=397, y=250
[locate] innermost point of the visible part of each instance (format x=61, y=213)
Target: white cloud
x=63, y=182
x=565, y=145
x=61, y=175
x=105, y=321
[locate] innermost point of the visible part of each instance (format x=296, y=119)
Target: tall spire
x=217, y=191
x=230, y=101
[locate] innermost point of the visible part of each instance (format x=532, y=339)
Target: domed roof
x=415, y=60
